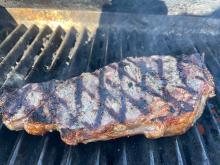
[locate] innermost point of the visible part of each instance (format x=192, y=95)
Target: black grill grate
x=34, y=55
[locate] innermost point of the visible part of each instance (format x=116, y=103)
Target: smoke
x=14, y=80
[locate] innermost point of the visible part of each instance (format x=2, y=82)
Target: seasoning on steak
x=156, y=96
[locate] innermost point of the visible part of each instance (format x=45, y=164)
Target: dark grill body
x=30, y=52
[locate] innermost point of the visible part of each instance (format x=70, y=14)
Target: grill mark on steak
x=102, y=97
x=39, y=116
x=78, y=93
x=142, y=84
x=122, y=73
x=140, y=104
x=181, y=104
x=111, y=83
x=53, y=105
x=162, y=107
x=183, y=76
x=159, y=63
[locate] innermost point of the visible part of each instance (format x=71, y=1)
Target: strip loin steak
x=156, y=96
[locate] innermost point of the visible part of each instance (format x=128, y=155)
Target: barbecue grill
x=38, y=44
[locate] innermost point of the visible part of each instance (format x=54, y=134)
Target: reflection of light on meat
x=171, y=72
x=34, y=98
x=63, y=116
x=113, y=104
x=67, y=93
x=132, y=111
x=14, y=78
x=20, y=113
x=106, y=118
x=90, y=107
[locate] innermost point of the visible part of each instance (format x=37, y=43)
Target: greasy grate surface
x=38, y=54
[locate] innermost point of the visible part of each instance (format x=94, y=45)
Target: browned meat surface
x=156, y=96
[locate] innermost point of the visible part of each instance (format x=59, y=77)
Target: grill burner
x=35, y=54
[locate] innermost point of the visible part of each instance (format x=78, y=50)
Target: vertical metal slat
x=16, y=148
x=43, y=60
x=11, y=40
x=16, y=52
x=16, y=77
x=42, y=154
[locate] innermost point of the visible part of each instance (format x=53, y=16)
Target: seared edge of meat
x=168, y=126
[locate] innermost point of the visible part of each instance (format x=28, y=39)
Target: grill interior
x=30, y=52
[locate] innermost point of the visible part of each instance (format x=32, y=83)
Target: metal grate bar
x=121, y=155
x=62, y=52
x=114, y=46
x=90, y=53
x=7, y=140
x=210, y=135
x=98, y=50
x=194, y=148
x=43, y=61
x=171, y=41
x=97, y=161
x=216, y=45
x=80, y=154
x=16, y=77
x=128, y=44
x=151, y=156
x=159, y=45
x=167, y=151
x=54, y=150
x=5, y=30
x=200, y=140
x=30, y=144
x=124, y=155
x=214, y=121
x=78, y=55
x=16, y=53
x=179, y=152
x=149, y=44
x=1, y=123
x=42, y=154
x=11, y=40
x=208, y=49
x=154, y=152
x=139, y=43
x=15, y=151
x=67, y=156
x=188, y=46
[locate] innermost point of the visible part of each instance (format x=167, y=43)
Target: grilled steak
x=156, y=96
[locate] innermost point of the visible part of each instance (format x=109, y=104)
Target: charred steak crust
x=156, y=96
